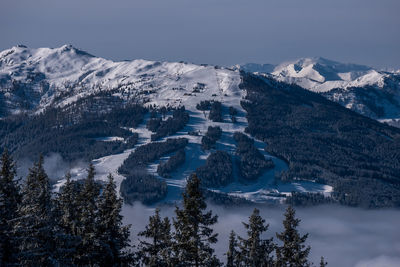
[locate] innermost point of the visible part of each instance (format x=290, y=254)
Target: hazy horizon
x=223, y=32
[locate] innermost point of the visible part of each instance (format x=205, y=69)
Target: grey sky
x=210, y=31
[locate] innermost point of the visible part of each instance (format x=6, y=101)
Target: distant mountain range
x=366, y=90
x=258, y=133
x=32, y=79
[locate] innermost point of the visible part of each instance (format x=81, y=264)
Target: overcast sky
x=222, y=32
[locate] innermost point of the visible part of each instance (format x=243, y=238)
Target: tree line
x=73, y=130
x=81, y=225
x=251, y=162
x=139, y=185
x=162, y=128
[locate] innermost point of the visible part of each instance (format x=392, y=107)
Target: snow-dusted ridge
x=379, y=97
x=320, y=75
x=60, y=76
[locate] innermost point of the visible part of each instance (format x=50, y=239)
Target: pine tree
x=158, y=252
x=67, y=206
x=9, y=200
x=232, y=254
x=114, y=236
x=67, y=216
x=35, y=226
x=193, y=234
x=5, y=239
x=89, y=250
x=293, y=252
x=323, y=263
x=255, y=251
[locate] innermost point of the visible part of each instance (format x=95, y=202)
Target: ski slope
x=61, y=76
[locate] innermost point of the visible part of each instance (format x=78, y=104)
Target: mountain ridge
x=368, y=91
x=35, y=78
x=247, y=136
x=60, y=76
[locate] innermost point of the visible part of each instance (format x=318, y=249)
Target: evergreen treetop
x=35, y=225
x=89, y=250
x=194, y=234
x=9, y=200
x=67, y=206
x=254, y=250
x=293, y=252
x=114, y=237
x=157, y=252
x=232, y=254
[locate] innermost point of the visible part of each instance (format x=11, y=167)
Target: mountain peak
x=320, y=74
x=326, y=63
x=67, y=47
x=71, y=48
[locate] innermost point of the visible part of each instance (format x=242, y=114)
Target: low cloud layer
x=384, y=261
x=54, y=165
x=344, y=236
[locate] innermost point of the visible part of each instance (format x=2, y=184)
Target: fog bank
x=54, y=165
x=344, y=236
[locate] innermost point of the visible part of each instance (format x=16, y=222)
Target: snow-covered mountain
x=119, y=112
x=32, y=79
x=369, y=91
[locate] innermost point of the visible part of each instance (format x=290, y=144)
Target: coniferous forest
x=82, y=225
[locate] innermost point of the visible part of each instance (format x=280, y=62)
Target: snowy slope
x=320, y=74
x=59, y=76
x=266, y=189
x=379, y=97
x=33, y=79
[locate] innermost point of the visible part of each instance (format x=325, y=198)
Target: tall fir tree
x=114, y=237
x=9, y=200
x=254, y=251
x=67, y=206
x=35, y=225
x=67, y=216
x=232, y=255
x=157, y=252
x=293, y=252
x=5, y=238
x=193, y=232
x=89, y=250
